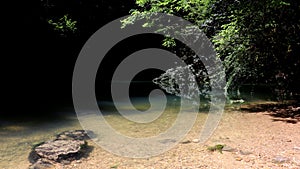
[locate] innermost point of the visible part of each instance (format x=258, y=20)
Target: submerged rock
x=68, y=146
x=52, y=150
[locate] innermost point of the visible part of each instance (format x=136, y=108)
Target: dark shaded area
x=285, y=112
x=37, y=63
x=28, y=124
x=142, y=82
x=286, y=121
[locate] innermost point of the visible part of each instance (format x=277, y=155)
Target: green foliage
x=217, y=147
x=64, y=25
x=192, y=10
x=256, y=40
x=169, y=42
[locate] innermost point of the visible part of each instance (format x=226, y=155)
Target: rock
x=296, y=109
x=229, y=149
x=238, y=158
x=217, y=147
x=245, y=152
x=280, y=159
x=65, y=162
x=185, y=142
x=195, y=140
x=40, y=164
x=73, y=135
x=52, y=150
x=68, y=146
x=247, y=160
x=296, y=148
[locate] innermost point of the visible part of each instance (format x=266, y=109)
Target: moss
x=84, y=146
x=115, y=166
x=217, y=147
x=36, y=144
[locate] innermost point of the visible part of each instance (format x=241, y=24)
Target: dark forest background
x=37, y=61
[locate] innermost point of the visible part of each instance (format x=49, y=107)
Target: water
x=19, y=134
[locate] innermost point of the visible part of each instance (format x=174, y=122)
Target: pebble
x=185, y=142
x=280, y=159
x=195, y=140
x=247, y=160
x=66, y=162
x=228, y=148
x=245, y=152
x=238, y=158
x=296, y=148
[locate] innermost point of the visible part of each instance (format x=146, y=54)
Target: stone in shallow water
x=68, y=146
x=52, y=150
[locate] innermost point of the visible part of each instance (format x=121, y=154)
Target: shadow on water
x=15, y=125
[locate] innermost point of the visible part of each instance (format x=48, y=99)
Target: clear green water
x=18, y=135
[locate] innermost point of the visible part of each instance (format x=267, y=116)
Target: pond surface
x=19, y=134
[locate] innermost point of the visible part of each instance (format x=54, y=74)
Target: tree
x=256, y=40
x=257, y=44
